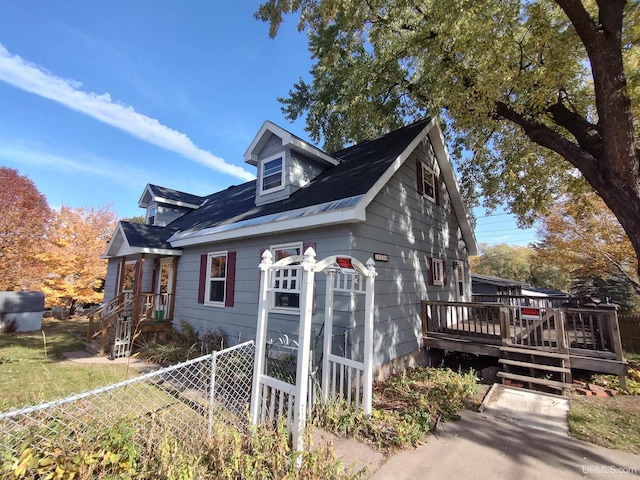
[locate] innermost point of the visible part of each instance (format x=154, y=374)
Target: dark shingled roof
x=150, y=236
x=360, y=167
x=176, y=195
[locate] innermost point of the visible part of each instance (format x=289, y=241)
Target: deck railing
x=592, y=331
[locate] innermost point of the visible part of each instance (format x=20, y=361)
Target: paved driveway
x=480, y=446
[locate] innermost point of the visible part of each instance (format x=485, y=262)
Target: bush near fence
x=630, y=332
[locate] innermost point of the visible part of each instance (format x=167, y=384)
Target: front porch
x=115, y=325
x=536, y=343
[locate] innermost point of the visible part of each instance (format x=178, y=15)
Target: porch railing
x=146, y=310
x=591, y=331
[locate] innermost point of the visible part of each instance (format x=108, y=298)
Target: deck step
x=537, y=366
x=535, y=352
x=538, y=381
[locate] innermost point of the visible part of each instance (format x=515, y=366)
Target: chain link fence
x=182, y=400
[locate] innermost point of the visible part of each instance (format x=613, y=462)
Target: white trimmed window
x=286, y=297
x=438, y=271
x=272, y=174
x=151, y=215
x=428, y=182
x=216, y=279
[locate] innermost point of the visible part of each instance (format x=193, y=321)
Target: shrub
x=405, y=408
x=179, y=346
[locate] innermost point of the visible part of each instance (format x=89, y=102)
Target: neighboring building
x=488, y=285
x=394, y=198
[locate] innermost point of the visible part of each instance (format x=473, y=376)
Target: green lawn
x=29, y=374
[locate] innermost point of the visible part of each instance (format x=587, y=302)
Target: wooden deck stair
x=531, y=363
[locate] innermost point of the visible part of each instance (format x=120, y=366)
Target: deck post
x=505, y=332
x=614, y=329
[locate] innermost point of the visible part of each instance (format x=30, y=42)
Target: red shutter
x=436, y=187
x=430, y=263
x=419, y=177
x=444, y=272
x=231, y=279
x=203, y=277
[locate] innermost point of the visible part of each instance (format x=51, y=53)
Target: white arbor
x=273, y=398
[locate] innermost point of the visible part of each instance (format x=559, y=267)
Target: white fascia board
x=325, y=214
x=175, y=202
x=288, y=140
x=301, y=146
x=250, y=155
x=446, y=169
x=395, y=166
x=119, y=231
x=125, y=251
x=147, y=190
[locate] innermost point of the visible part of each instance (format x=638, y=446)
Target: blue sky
x=97, y=99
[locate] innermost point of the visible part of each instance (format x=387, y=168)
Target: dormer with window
x=284, y=163
x=164, y=205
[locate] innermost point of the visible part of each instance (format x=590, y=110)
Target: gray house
x=394, y=199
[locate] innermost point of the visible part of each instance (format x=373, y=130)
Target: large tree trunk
x=605, y=153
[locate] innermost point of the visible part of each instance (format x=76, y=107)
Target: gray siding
x=165, y=214
x=409, y=229
x=110, y=279
x=239, y=322
x=302, y=170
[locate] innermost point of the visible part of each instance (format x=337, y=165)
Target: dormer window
x=151, y=216
x=271, y=175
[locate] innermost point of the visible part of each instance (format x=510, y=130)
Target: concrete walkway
x=483, y=447
x=85, y=357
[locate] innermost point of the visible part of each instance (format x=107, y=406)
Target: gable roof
x=339, y=194
x=169, y=196
x=289, y=140
x=130, y=238
x=366, y=162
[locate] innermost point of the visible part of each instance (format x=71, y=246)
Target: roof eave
x=289, y=221
x=123, y=252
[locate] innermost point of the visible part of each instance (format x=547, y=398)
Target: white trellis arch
x=272, y=398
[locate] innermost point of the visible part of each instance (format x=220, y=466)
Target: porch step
x=537, y=366
x=539, y=381
x=535, y=352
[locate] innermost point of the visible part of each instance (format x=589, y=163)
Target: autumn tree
x=24, y=219
x=543, y=95
x=583, y=237
x=504, y=261
x=77, y=238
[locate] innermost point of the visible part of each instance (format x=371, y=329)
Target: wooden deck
x=589, y=338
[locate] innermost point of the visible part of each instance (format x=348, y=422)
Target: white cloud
x=31, y=78
x=89, y=164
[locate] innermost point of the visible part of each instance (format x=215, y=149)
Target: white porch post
x=261, y=335
x=304, y=342
x=369, y=312
x=328, y=332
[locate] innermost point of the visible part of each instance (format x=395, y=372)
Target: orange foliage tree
x=583, y=237
x=77, y=238
x=24, y=219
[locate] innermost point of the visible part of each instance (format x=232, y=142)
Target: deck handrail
x=578, y=328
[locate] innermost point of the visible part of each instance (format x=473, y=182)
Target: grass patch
x=612, y=422
x=33, y=369
x=405, y=408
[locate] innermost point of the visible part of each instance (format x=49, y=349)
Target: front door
x=164, y=288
